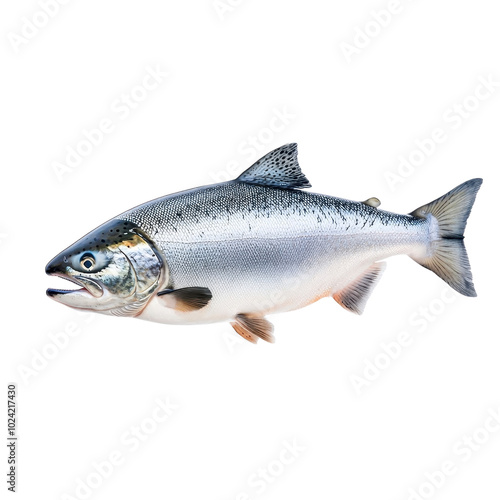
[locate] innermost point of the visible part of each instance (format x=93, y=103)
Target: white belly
x=272, y=276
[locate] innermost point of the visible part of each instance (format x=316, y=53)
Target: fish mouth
x=88, y=286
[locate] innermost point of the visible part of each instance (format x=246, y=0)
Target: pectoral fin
x=252, y=328
x=355, y=295
x=186, y=299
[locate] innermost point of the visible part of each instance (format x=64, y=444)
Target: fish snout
x=54, y=266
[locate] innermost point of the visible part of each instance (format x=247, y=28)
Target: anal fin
x=355, y=295
x=252, y=328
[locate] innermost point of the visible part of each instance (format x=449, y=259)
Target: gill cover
x=116, y=264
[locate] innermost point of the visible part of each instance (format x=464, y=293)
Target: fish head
x=117, y=267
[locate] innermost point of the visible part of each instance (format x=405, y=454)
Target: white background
x=229, y=72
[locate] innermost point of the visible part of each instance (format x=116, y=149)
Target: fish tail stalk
x=446, y=255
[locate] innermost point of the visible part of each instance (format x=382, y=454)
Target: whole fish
x=240, y=250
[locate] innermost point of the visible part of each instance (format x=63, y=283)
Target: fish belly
x=270, y=275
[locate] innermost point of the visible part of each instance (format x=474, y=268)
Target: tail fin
x=448, y=257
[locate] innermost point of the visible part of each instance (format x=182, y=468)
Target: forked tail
x=447, y=217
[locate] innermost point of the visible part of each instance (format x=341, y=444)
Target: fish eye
x=87, y=261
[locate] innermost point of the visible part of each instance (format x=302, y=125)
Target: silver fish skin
x=243, y=249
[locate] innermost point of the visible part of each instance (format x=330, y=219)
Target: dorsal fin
x=279, y=168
